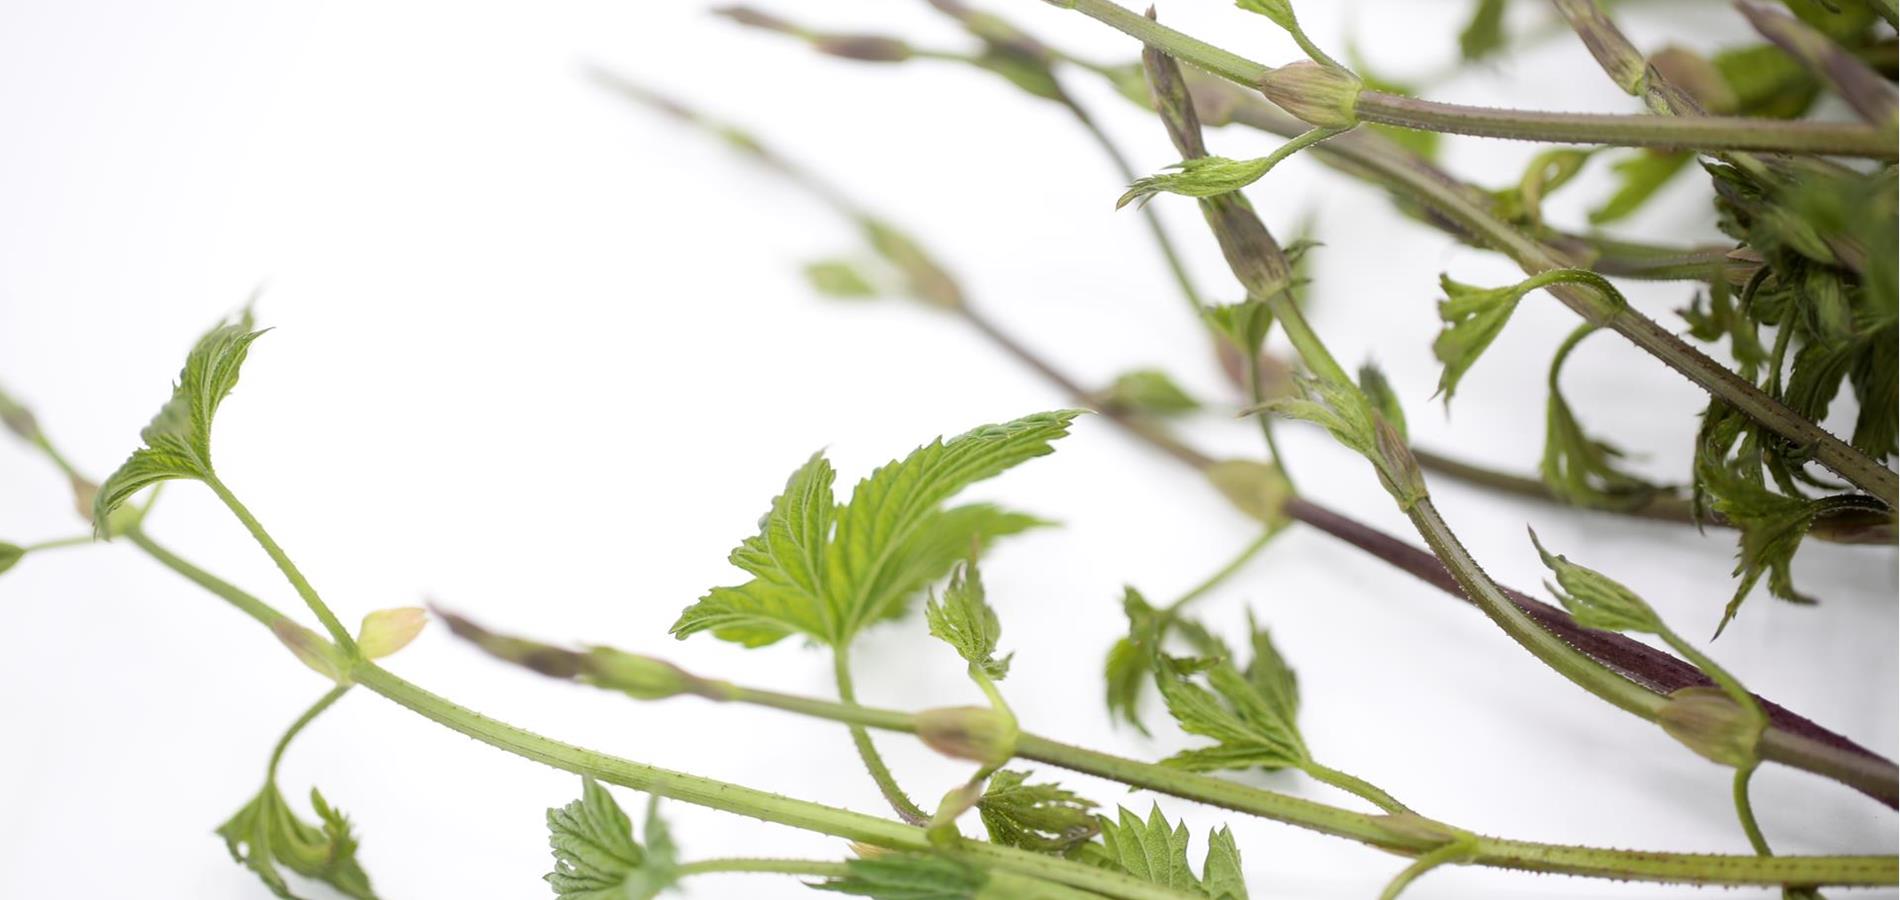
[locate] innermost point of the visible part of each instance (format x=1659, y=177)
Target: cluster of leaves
x=1156, y=852
x=826, y=570
x=266, y=834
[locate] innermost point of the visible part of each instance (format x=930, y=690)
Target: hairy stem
x=309, y=594
x=906, y=808
x=316, y=709
x=1706, y=133
x=1356, y=786
x=812, y=867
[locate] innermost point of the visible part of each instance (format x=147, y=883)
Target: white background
x=545, y=357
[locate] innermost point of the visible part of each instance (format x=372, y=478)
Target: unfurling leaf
x=1149, y=391
x=1345, y=412
x=827, y=571
x=1132, y=659
x=1595, y=600
x=1279, y=11
x=1045, y=817
x=596, y=856
x=1252, y=716
x=266, y=834
x=1202, y=176
x=1577, y=468
x=913, y=876
x=1473, y=317
x=1772, y=526
x=1156, y=852
x=1378, y=390
x=965, y=621
x=386, y=631
x=837, y=278
x=177, y=443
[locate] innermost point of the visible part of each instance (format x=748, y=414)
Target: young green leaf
x=1772, y=526
x=1149, y=391
x=1156, y=852
x=827, y=572
x=1473, y=317
x=1483, y=34
x=596, y=857
x=386, y=631
x=177, y=443
x=965, y=621
x=913, y=876
x=1345, y=412
x=1132, y=659
x=1252, y=716
x=1045, y=817
x=1577, y=468
x=1203, y=176
x=1595, y=600
x=266, y=834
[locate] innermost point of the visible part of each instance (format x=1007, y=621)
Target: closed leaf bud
x=1708, y=721
x=312, y=651
x=18, y=419
x=862, y=47
x=10, y=554
x=643, y=677
x=942, y=830
x=1322, y=96
x=1256, y=488
x=386, y=631
x=554, y=662
x=976, y=733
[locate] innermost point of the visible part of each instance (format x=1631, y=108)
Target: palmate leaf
x=266, y=834
x=826, y=571
x=1045, y=817
x=177, y=442
x=1252, y=716
x=1156, y=852
x=913, y=876
x=965, y=621
x=596, y=856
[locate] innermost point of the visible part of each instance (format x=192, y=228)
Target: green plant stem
x=1225, y=572
x=1736, y=691
x=316, y=709
x=78, y=540
x=1366, y=828
x=1745, y=811
x=1256, y=392
x=246, y=603
x=1705, y=133
x=1424, y=863
x=906, y=808
x=1354, y=785
x=812, y=867
x=302, y=585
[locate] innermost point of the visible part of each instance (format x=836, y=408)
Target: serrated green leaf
x=965, y=621
x=1473, y=317
x=1483, y=33
x=1152, y=851
x=838, y=278
x=1594, y=599
x=827, y=572
x=177, y=442
x=1221, y=877
x=596, y=856
x=266, y=834
x=1149, y=391
x=1044, y=818
x=912, y=876
x=1131, y=659
x=1639, y=176
x=1577, y=468
x=1252, y=716
x=1771, y=525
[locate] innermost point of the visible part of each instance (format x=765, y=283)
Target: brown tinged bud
x=312, y=651
x=755, y=18
x=862, y=47
x=1321, y=96
x=976, y=733
x=18, y=419
x=1708, y=721
x=551, y=661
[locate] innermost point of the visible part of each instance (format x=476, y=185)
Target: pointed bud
x=645, y=678
x=551, y=661
x=976, y=733
x=1707, y=721
x=1322, y=96
x=386, y=631
x=862, y=47
x=18, y=419
x=312, y=651
x=9, y=555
